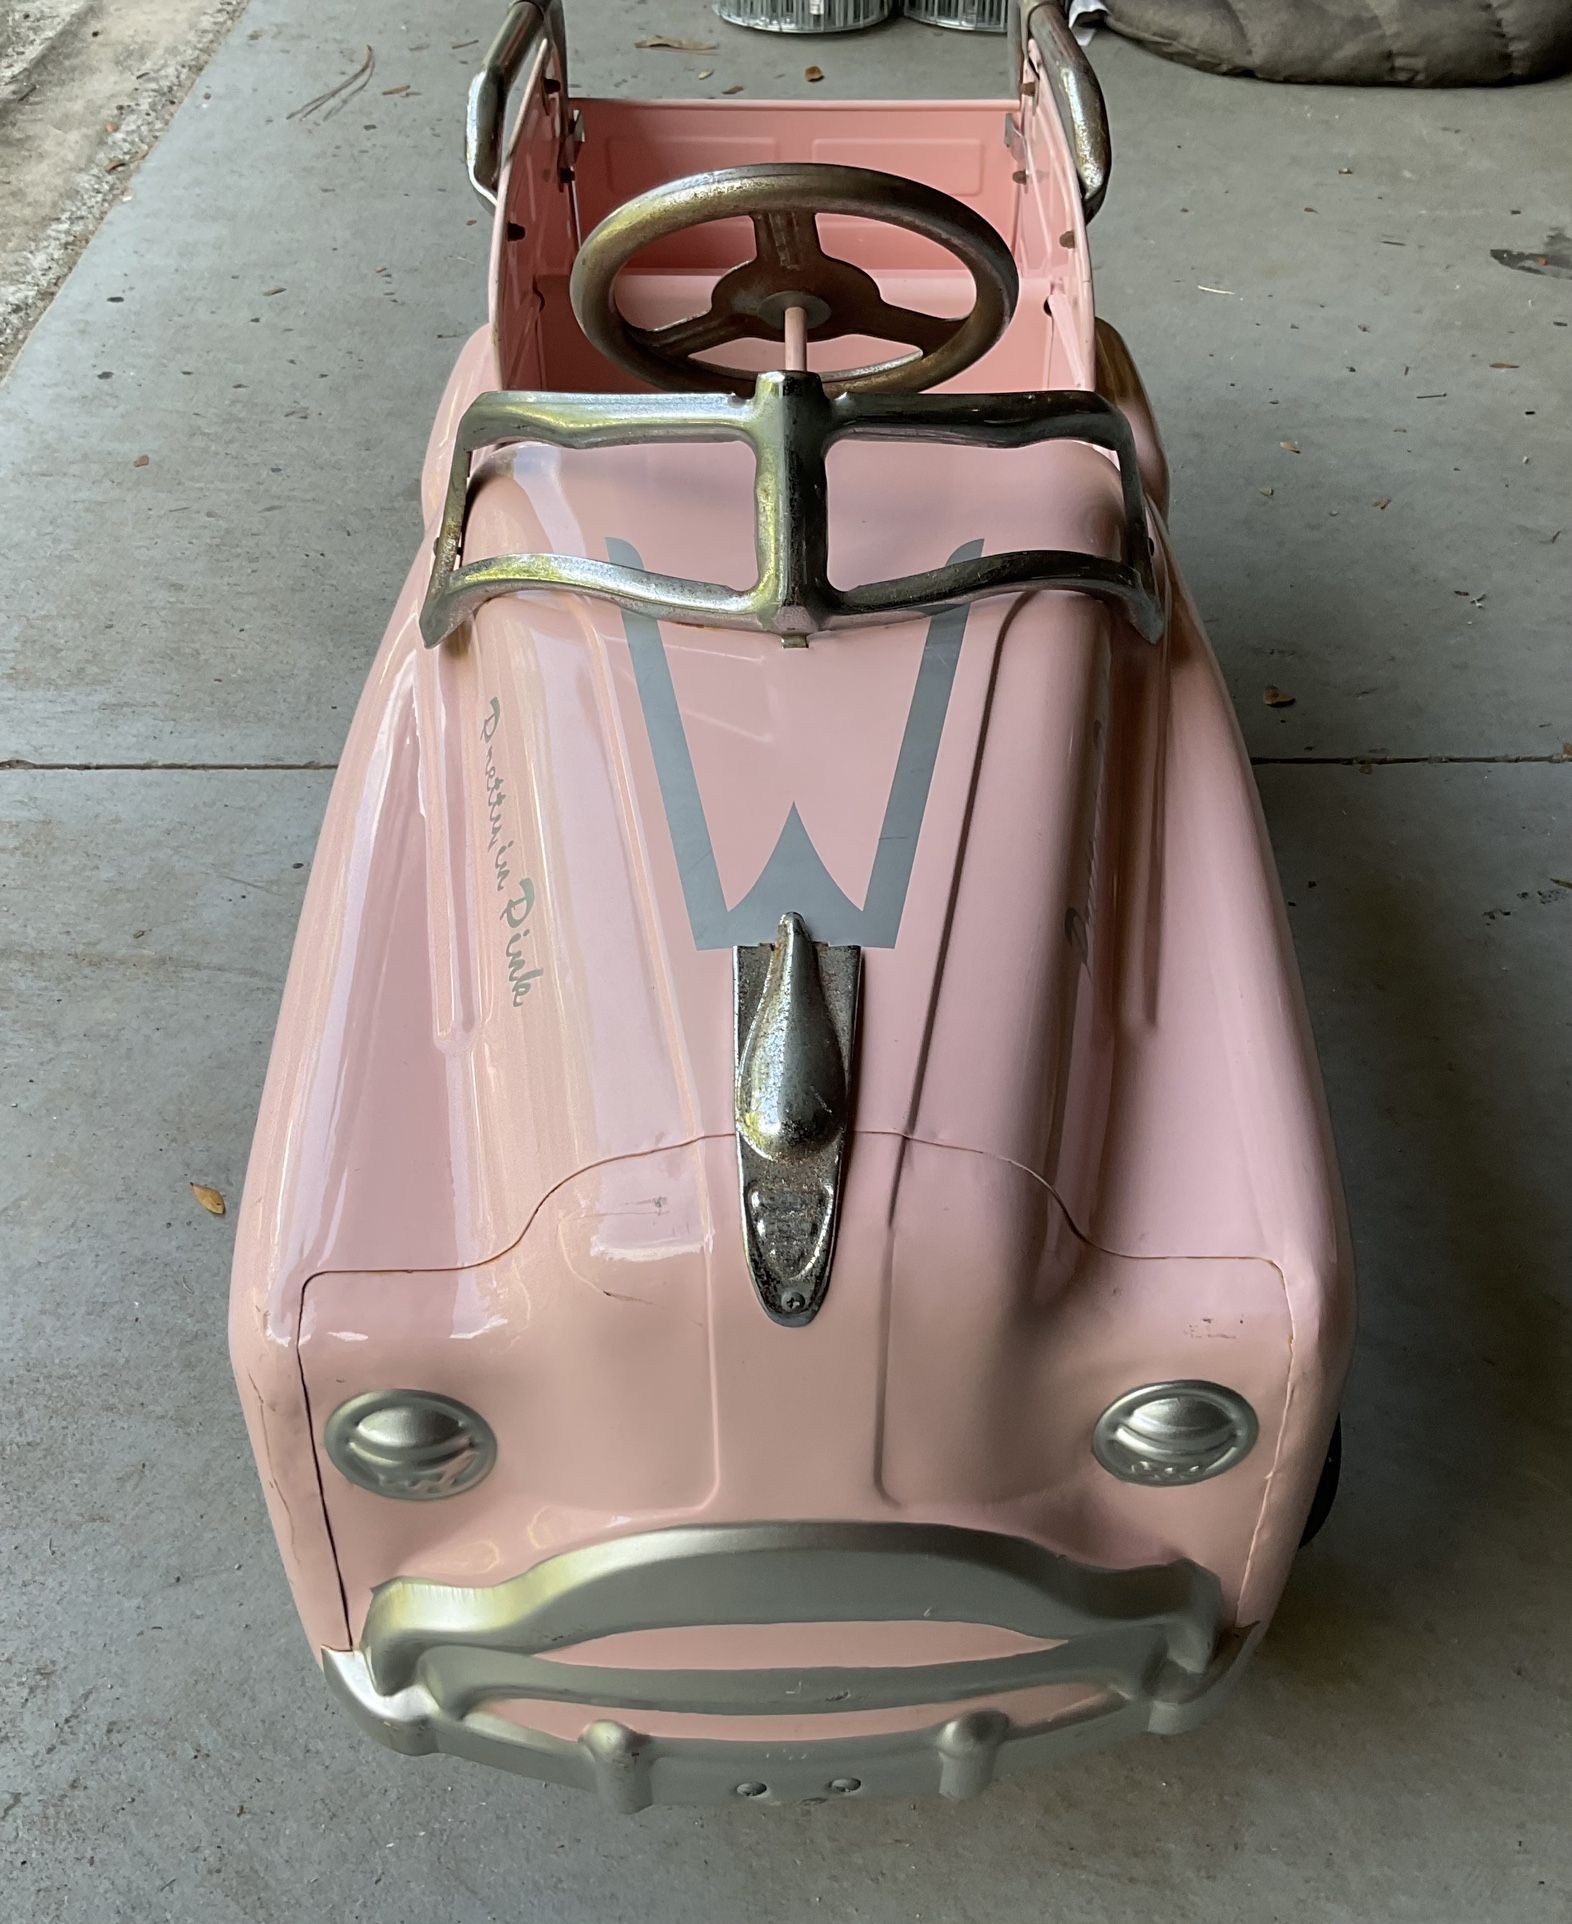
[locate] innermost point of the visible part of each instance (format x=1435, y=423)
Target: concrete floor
x=183, y=641
x=86, y=88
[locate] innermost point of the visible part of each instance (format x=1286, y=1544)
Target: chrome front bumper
x=432, y=1657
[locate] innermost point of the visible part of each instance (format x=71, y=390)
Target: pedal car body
x=792, y=1247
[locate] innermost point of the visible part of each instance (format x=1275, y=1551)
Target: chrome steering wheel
x=790, y=269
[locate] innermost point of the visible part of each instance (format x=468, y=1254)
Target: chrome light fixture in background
x=804, y=16
x=410, y=1444
x=1174, y=1433
x=961, y=16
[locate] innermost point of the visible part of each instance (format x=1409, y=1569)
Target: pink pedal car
x=792, y=1248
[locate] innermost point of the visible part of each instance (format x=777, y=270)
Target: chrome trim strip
x=788, y=1573
x=794, y=1022
x=463, y=1681
x=790, y=423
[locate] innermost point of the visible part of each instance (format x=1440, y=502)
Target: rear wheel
x=1326, y=1490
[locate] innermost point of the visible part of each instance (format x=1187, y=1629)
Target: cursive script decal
x=517, y=890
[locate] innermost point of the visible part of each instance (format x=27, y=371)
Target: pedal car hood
x=568, y=819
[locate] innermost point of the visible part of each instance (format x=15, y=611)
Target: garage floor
x=1367, y=411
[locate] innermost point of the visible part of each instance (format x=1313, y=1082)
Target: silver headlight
x=1174, y=1433
x=411, y=1444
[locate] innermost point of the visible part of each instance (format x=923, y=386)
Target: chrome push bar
x=790, y=423
x=1041, y=27
x=1076, y=94
x=528, y=27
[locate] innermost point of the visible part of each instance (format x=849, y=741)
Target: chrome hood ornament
x=796, y=1012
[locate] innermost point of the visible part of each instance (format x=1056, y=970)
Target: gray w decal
x=795, y=878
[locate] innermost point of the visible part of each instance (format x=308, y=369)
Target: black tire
x=1326, y=1490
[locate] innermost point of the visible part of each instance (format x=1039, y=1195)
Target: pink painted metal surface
x=495, y=1156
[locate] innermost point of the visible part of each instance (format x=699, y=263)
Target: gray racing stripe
x=795, y=879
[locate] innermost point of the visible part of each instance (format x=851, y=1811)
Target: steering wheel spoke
x=788, y=239
x=713, y=328
x=907, y=325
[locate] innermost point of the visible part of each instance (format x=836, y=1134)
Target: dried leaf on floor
x=675, y=45
x=1291, y=446
x=1277, y=697
x=1383, y=501
x=1503, y=363
x=706, y=73
x=813, y=73
x=212, y=1200
x=736, y=87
